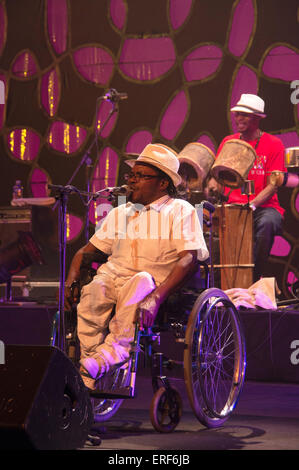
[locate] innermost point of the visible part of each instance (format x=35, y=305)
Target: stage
x=266, y=417
x=271, y=336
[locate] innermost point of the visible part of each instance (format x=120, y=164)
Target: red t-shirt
x=270, y=157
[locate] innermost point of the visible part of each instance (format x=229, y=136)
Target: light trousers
x=102, y=337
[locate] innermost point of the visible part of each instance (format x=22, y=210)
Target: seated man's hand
x=71, y=295
x=148, y=309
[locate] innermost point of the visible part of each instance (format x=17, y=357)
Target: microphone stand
x=62, y=199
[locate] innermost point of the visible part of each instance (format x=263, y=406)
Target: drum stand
x=248, y=189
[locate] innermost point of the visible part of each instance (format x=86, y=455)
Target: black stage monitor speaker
x=43, y=401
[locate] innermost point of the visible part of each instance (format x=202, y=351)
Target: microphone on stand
x=114, y=96
x=123, y=190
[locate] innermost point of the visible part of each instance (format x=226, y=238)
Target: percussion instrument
x=234, y=224
x=196, y=160
x=248, y=188
x=292, y=157
x=233, y=163
x=18, y=255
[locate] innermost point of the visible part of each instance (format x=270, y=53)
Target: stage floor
x=266, y=418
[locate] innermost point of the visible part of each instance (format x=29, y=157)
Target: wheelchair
x=206, y=325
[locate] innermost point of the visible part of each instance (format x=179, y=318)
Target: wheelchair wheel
x=166, y=409
x=105, y=408
x=214, y=357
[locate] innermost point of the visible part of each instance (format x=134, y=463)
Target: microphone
x=114, y=96
x=123, y=190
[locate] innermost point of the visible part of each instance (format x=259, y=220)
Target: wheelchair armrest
x=87, y=271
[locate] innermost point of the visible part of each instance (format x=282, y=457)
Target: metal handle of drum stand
x=211, y=209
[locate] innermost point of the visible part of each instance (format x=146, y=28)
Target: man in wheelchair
x=152, y=244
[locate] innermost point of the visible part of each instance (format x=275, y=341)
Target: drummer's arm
x=263, y=196
x=276, y=163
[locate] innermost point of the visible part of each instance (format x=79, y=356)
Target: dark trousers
x=267, y=224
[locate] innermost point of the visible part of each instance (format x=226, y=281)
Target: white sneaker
x=94, y=367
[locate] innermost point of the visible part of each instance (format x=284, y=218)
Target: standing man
x=152, y=243
x=268, y=214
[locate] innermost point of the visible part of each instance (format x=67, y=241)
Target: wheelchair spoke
x=216, y=358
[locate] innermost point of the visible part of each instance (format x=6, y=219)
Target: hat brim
x=247, y=110
x=175, y=178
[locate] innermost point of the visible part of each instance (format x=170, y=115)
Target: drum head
x=233, y=163
x=196, y=160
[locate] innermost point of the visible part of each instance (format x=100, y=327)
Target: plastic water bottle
x=17, y=190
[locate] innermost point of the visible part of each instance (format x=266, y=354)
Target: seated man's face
x=146, y=184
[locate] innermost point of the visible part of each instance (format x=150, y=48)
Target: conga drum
x=235, y=224
x=196, y=160
x=292, y=157
x=233, y=163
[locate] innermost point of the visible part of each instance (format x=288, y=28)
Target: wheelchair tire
x=105, y=408
x=214, y=358
x=166, y=409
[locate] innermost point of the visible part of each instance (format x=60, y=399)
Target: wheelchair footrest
x=125, y=392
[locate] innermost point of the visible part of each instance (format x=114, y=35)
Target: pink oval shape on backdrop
x=94, y=64
x=291, y=279
x=245, y=81
x=39, y=183
x=178, y=12
x=147, y=59
x=297, y=203
x=202, y=62
x=3, y=26
x=281, y=62
x=24, y=65
x=118, y=13
x=174, y=116
x=66, y=138
x=50, y=92
x=281, y=247
x=289, y=139
x=24, y=144
x=74, y=226
x=57, y=21
x=138, y=141
x=242, y=27
x=104, y=176
x=104, y=128
x=207, y=141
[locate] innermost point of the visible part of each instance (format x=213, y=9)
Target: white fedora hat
x=162, y=157
x=251, y=104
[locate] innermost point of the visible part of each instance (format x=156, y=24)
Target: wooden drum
x=235, y=225
x=233, y=163
x=196, y=160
